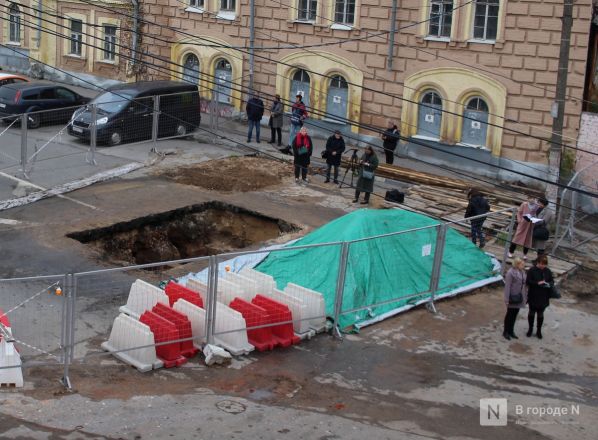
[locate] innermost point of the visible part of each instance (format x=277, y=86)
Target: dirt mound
x=234, y=174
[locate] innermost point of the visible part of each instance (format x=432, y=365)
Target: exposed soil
x=193, y=231
x=233, y=174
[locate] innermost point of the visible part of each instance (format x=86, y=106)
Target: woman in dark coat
x=302, y=151
x=335, y=146
x=390, y=138
x=539, y=282
x=276, y=120
x=514, y=285
x=365, y=183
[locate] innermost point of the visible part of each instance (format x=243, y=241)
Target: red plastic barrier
x=164, y=331
x=278, y=312
x=182, y=324
x=261, y=338
x=176, y=291
x=4, y=319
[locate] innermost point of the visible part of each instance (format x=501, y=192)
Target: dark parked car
x=29, y=97
x=125, y=113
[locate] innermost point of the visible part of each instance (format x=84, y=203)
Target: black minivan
x=34, y=98
x=125, y=112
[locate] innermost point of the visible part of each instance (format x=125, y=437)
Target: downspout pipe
x=135, y=41
x=393, y=31
x=39, y=23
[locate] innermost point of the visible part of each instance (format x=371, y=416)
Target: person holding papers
x=524, y=230
x=544, y=216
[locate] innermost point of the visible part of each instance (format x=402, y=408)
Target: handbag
x=324, y=154
x=367, y=174
x=554, y=292
x=516, y=298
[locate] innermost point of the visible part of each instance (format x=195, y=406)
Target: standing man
x=335, y=146
x=276, y=120
x=390, y=137
x=298, y=115
x=255, y=111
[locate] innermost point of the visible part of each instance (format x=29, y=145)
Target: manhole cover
x=231, y=407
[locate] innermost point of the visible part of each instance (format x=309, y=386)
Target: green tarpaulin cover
x=394, y=270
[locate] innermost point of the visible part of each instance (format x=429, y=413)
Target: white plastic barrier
x=265, y=283
x=143, y=296
x=197, y=317
x=249, y=287
x=297, y=308
x=227, y=290
x=9, y=357
x=127, y=333
x=228, y=319
x=199, y=287
x=314, y=302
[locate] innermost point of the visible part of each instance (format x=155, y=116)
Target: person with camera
x=515, y=296
x=540, y=233
x=540, y=284
x=335, y=146
x=367, y=169
x=303, y=148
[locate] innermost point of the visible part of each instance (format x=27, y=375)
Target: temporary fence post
x=63, y=330
x=437, y=264
x=212, y=299
x=508, y=241
x=66, y=381
x=74, y=290
x=24, y=144
x=93, y=136
x=155, y=118
x=340, y=288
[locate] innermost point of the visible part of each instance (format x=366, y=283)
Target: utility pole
x=251, y=43
x=558, y=113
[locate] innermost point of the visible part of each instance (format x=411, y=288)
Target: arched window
x=430, y=115
x=338, y=96
x=300, y=85
x=191, y=69
x=475, y=123
x=14, y=24
x=224, y=75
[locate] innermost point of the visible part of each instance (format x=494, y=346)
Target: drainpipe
x=135, y=42
x=39, y=23
x=391, y=36
x=251, y=43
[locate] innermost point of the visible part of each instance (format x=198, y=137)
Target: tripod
x=353, y=165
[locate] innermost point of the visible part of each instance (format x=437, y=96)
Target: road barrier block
x=176, y=291
x=265, y=283
x=183, y=326
x=165, y=331
x=260, y=338
x=316, y=308
x=230, y=331
x=298, y=310
x=249, y=287
x=199, y=287
x=128, y=333
x=11, y=374
x=143, y=296
x=197, y=318
x=278, y=312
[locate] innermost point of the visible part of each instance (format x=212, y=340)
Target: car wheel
x=33, y=120
x=115, y=138
x=181, y=130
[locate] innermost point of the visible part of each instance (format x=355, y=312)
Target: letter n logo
x=493, y=412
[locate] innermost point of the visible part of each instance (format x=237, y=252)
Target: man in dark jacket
x=255, y=111
x=478, y=205
x=335, y=146
x=390, y=137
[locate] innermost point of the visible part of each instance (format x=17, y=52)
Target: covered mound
x=385, y=273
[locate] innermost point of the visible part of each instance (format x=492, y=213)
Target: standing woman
x=540, y=282
x=515, y=296
x=302, y=150
x=523, y=233
x=365, y=183
x=541, y=233
x=390, y=137
x=276, y=120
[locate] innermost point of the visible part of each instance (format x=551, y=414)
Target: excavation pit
x=193, y=231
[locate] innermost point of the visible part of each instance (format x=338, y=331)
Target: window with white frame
x=307, y=10
x=344, y=12
x=485, y=22
x=76, y=37
x=196, y=4
x=226, y=5
x=14, y=24
x=109, y=42
x=441, y=18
